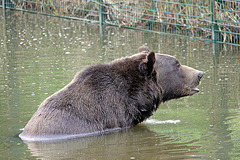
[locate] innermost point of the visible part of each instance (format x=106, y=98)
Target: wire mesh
x=213, y=20
x=74, y=9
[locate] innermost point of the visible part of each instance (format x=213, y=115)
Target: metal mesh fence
x=213, y=20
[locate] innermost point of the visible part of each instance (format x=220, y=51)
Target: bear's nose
x=200, y=74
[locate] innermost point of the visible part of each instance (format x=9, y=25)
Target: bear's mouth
x=192, y=90
x=195, y=90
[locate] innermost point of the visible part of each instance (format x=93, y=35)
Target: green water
x=39, y=55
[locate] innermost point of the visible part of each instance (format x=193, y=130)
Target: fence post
x=213, y=18
x=102, y=12
x=3, y=4
x=216, y=35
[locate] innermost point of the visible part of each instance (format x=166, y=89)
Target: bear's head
x=175, y=79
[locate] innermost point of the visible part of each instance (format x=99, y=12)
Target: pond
x=39, y=55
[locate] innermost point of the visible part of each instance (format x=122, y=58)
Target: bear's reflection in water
x=135, y=143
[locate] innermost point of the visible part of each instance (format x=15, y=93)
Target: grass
x=193, y=18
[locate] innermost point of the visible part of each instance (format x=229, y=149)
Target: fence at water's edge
x=211, y=20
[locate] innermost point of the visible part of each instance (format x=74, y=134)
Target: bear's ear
x=146, y=67
x=143, y=49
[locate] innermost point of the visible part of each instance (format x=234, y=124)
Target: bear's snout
x=200, y=75
x=194, y=89
x=192, y=79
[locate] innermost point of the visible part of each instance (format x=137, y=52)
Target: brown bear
x=117, y=95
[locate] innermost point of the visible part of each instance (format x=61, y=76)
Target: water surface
x=39, y=55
